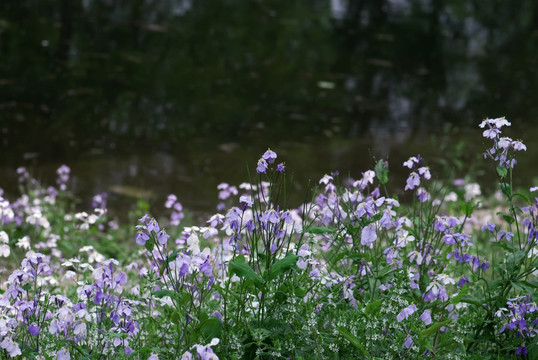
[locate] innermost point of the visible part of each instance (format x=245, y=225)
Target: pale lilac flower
x=153, y=357
x=368, y=235
x=425, y=172
x=426, y=317
x=533, y=189
x=408, y=342
x=269, y=156
x=367, y=178
x=262, y=166
x=170, y=201
x=326, y=179
x=405, y=313
x=491, y=133
x=518, y=146
x=504, y=142
x=63, y=354
x=162, y=237
x=410, y=163
x=141, y=238
x=412, y=181
x=423, y=195
x=11, y=347
x=280, y=168
x=247, y=200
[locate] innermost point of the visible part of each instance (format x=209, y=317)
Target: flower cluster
x=501, y=145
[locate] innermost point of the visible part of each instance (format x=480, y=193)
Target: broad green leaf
x=300, y=292
x=352, y=339
x=282, y=266
x=523, y=197
x=241, y=269
x=382, y=172
x=506, y=189
x=150, y=244
x=502, y=171
x=467, y=208
x=211, y=328
x=507, y=218
x=434, y=328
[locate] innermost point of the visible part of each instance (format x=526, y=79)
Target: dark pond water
x=150, y=97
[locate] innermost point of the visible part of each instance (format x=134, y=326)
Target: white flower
x=4, y=238
x=472, y=191
x=4, y=250
x=24, y=243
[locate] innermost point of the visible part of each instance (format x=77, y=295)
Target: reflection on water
x=179, y=95
x=194, y=173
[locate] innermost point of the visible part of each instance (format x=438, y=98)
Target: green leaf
x=434, y=328
x=319, y=230
x=382, y=171
x=507, y=218
x=282, y=266
x=467, y=208
x=170, y=258
x=150, y=244
x=506, y=189
x=352, y=339
x=300, y=292
x=211, y=328
x=241, y=269
x=373, y=219
x=456, y=299
x=523, y=197
x=502, y=171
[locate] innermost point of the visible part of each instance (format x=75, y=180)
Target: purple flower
x=425, y=172
x=410, y=163
x=412, y=181
x=262, y=166
x=489, y=227
x=33, y=329
x=522, y=350
x=405, y=313
x=426, y=317
x=170, y=201
x=280, y=168
x=141, y=238
x=269, y=155
x=423, y=195
x=368, y=235
x=63, y=354
x=463, y=280
x=408, y=342
x=162, y=237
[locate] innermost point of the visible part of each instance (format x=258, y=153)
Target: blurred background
x=142, y=98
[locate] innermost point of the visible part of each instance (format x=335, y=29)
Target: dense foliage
x=351, y=273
